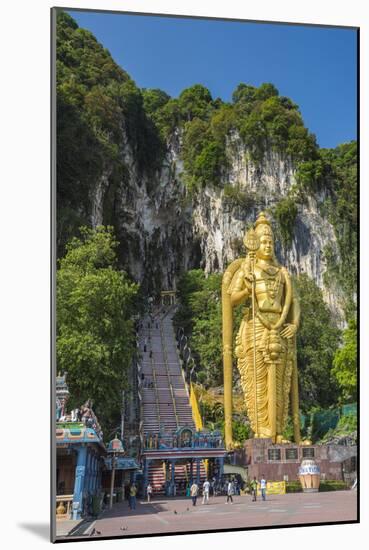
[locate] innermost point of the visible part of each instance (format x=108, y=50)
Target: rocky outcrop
x=164, y=231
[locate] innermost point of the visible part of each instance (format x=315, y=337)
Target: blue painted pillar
x=198, y=471
x=91, y=482
x=94, y=474
x=221, y=467
x=79, y=482
x=88, y=472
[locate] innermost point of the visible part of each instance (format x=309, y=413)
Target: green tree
x=154, y=99
x=317, y=342
x=195, y=101
x=95, y=340
x=345, y=363
x=244, y=93
x=200, y=314
x=265, y=91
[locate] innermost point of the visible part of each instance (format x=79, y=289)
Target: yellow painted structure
x=195, y=408
x=274, y=488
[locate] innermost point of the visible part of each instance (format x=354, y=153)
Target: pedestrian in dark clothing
x=254, y=486
x=230, y=492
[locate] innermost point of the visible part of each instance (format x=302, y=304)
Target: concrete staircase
x=182, y=474
x=165, y=401
x=164, y=395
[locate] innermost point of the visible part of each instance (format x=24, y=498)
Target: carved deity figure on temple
x=265, y=345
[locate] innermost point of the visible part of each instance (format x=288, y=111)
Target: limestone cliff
x=163, y=230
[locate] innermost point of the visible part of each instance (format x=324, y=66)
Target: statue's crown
x=262, y=225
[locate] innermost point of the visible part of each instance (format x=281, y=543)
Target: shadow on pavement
x=42, y=530
x=122, y=509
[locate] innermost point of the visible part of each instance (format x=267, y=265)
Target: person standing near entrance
x=149, y=492
x=194, y=493
x=230, y=491
x=263, y=486
x=205, y=492
x=254, y=486
x=132, y=496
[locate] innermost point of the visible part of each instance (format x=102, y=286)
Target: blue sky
x=314, y=66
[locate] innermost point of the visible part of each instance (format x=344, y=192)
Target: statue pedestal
x=281, y=462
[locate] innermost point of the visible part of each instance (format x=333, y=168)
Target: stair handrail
x=155, y=385
x=141, y=412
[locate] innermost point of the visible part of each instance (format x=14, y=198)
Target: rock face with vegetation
x=180, y=179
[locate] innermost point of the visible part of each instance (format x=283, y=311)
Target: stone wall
x=256, y=456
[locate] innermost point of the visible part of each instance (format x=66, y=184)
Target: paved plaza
x=178, y=515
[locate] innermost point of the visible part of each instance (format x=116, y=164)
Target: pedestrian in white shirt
x=205, y=492
x=263, y=487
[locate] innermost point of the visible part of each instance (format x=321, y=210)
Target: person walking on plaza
x=194, y=492
x=205, y=492
x=230, y=492
x=132, y=497
x=263, y=486
x=254, y=486
x=149, y=492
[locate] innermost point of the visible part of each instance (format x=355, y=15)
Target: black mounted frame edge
x=53, y=16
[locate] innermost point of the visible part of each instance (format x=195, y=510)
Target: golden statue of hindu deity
x=265, y=345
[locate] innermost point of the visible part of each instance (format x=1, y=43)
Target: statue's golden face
x=266, y=248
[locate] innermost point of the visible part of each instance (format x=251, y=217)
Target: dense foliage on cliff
x=259, y=116
x=99, y=107
x=95, y=338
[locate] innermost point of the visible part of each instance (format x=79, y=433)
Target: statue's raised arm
x=265, y=345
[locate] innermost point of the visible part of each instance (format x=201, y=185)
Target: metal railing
x=199, y=440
